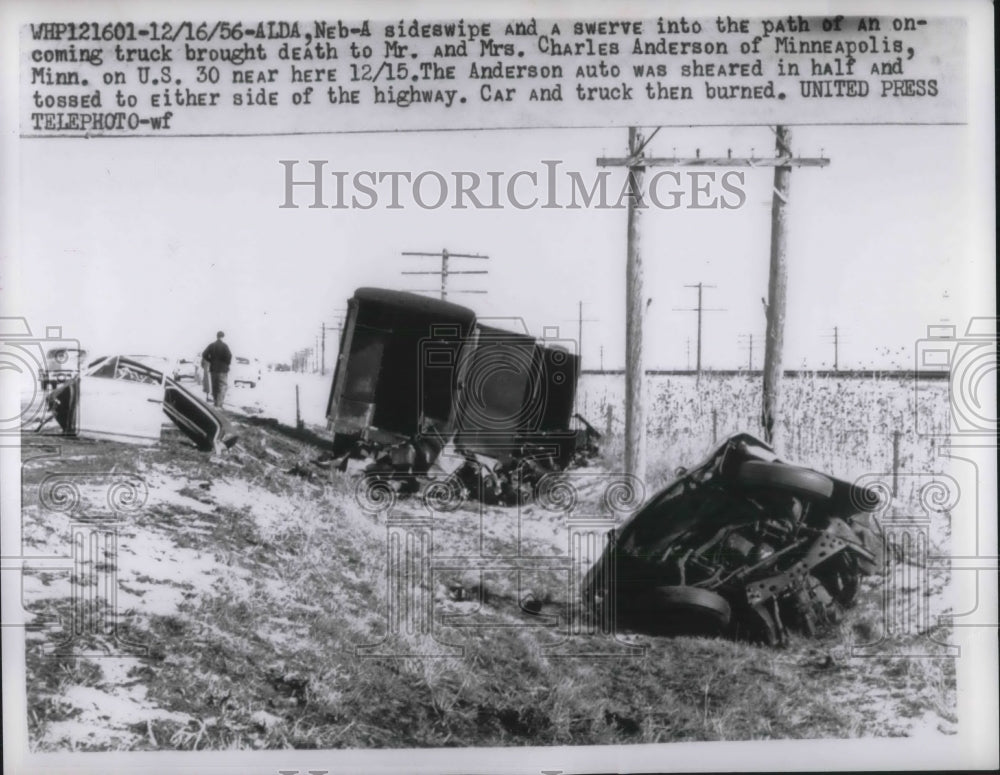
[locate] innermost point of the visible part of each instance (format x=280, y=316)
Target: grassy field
x=251, y=586
x=843, y=425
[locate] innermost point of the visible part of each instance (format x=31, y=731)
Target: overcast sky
x=141, y=245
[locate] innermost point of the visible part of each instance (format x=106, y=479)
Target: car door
x=122, y=401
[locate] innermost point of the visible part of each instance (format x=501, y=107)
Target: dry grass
x=257, y=643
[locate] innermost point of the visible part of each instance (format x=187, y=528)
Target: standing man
x=218, y=357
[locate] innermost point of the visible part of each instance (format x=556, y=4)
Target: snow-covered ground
x=274, y=396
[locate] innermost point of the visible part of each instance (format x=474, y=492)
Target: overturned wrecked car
x=123, y=398
x=742, y=545
x=422, y=387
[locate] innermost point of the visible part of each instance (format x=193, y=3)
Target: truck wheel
x=796, y=480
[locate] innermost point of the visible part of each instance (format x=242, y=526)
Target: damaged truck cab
x=397, y=373
x=418, y=376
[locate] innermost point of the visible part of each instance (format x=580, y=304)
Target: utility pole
x=777, y=284
x=635, y=308
x=699, y=309
x=580, y=320
x=783, y=161
x=835, y=338
x=445, y=271
x=749, y=339
x=324, y=327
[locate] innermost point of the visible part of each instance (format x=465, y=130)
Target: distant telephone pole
x=322, y=349
x=835, y=338
x=324, y=327
x=748, y=338
x=699, y=309
x=580, y=320
x=446, y=271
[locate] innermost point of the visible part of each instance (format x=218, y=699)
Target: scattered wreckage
x=123, y=398
x=422, y=387
x=743, y=545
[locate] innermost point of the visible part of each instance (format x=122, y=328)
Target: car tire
x=686, y=610
x=793, y=479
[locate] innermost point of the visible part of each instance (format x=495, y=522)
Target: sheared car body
x=123, y=398
x=744, y=545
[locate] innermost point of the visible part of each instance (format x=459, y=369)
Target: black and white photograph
x=534, y=387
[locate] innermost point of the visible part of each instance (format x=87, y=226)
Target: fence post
x=895, y=463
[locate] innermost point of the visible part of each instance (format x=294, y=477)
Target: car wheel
x=798, y=481
x=687, y=610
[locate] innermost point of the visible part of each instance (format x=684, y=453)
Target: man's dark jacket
x=218, y=356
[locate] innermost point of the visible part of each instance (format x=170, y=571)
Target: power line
x=636, y=163
x=445, y=271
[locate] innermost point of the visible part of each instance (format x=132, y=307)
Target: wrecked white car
x=121, y=398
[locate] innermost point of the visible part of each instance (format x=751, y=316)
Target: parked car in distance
x=61, y=365
x=186, y=369
x=244, y=371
